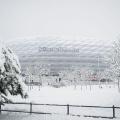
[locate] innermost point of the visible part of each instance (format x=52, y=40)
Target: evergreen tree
x=10, y=75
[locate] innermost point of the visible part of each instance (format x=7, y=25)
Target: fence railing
x=67, y=106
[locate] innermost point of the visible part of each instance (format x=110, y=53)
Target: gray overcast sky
x=96, y=19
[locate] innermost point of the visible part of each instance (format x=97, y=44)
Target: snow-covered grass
x=9, y=116
x=104, y=95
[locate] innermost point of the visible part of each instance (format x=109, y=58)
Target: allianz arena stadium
x=60, y=54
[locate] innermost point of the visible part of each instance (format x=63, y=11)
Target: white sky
x=94, y=19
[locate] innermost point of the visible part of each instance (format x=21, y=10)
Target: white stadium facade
x=60, y=54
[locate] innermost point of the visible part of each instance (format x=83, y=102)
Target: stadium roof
x=61, y=53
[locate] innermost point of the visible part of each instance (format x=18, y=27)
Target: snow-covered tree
x=10, y=75
x=114, y=60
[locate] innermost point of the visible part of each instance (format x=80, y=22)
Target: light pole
x=39, y=81
x=98, y=69
x=119, y=82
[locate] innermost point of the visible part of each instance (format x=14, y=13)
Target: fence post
x=30, y=108
x=113, y=111
x=68, y=109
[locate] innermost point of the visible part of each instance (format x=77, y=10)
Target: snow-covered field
x=46, y=117
x=105, y=95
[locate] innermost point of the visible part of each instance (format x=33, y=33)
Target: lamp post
x=119, y=82
x=39, y=81
x=98, y=59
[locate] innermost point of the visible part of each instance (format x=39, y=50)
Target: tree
x=114, y=60
x=10, y=75
x=37, y=73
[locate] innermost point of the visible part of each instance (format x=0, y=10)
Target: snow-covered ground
x=105, y=95
x=21, y=116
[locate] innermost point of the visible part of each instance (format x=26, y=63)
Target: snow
x=106, y=95
x=11, y=81
x=45, y=117
x=2, y=59
x=99, y=95
x=81, y=95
